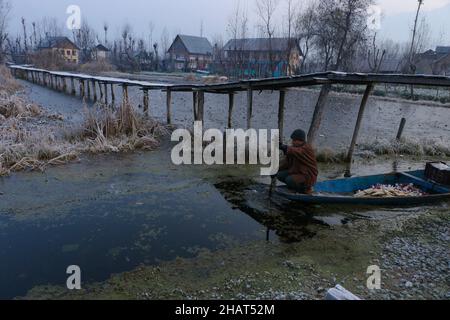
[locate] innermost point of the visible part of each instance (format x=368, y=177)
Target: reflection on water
x=116, y=235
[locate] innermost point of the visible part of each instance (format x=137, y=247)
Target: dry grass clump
x=407, y=147
x=106, y=130
x=22, y=149
x=8, y=84
x=103, y=130
x=328, y=155
x=12, y=106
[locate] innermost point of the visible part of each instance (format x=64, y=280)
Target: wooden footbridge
x=99, y=89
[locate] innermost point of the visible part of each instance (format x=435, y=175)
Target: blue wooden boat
x=342, y=191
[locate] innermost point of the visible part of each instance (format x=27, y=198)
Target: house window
x=69, y=52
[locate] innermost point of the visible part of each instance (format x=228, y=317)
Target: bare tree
x=85, y=39
x=151, y=30
x=375, y=56
x=290, y=20
x=165, y=42
x=234, y=28
x=413, y=39
x=266, y=11
x=25, y=43
x=126, y=31
x=105, y=29
x=341, y=28
x=305, y=32
x=5, y=9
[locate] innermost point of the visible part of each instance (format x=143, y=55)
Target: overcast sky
x=186, y=16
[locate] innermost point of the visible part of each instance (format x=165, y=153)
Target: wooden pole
x=81, y=88
x=195, y=103
x=88, y=90
x=230, y=109
x=362, y=108
x=201, y=106
x=101, y=91
x=281, y=114
x=64, y=85
x=113, y=95
x=74, y=90
x=125, y=94
x=94, y=89
x=169, y=106
x=249, y=107
x=318, y=113
x=105, y=85
x=146, y=100
x=401, y=129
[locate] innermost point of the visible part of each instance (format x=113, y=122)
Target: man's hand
x=284, y=148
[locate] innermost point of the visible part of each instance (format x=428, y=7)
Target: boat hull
x=331, y=192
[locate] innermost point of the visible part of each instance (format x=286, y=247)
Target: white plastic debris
x=341, y=294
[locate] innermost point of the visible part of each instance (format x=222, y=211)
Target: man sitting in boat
x=299, y=170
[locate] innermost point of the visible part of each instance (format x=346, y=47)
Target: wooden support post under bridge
x=94, y=89
x=81, y=88
x=195, y=104
x=230, y=109
x=281, y=104
x=113, y=95
x=351, y=150
x=125, y=94
x=146, y=101
x=88, y=90
x=105, y=85
x=249, y=107
x=318, y=113
x=169, y=106
x=100, y=88
x=201, y=106
x=72, y=84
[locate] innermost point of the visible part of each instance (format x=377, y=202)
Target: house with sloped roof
x=190, y=53
x=436, y=62
x=61, y=46
x=260, y=57
x=100, y=52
